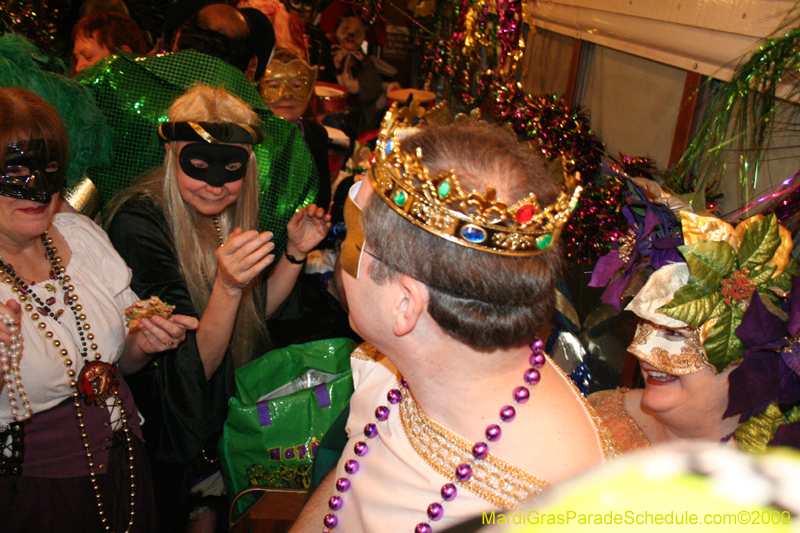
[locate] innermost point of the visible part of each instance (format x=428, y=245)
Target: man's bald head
x=218, y=30
x=223, y=19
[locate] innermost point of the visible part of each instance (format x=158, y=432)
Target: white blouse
x=102, y=283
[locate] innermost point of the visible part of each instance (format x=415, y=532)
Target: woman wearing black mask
x=187, y=230
x=71, y=453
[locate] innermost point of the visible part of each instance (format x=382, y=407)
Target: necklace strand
x=462, y=473
x=9, y=359
x=215, y=218
x=93, y=370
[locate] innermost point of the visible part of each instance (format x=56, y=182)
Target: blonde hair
x=193, y=234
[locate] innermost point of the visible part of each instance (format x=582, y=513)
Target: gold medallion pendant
x=97, y=382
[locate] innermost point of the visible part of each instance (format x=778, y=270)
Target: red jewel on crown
x=525, y=213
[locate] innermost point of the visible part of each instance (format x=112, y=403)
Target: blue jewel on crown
x=473, y=233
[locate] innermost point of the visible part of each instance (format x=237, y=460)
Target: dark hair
x=91, y=6
x=484, y=300
x=286, y=55
x=237, y=51
x=111, y=30
x=26, y=116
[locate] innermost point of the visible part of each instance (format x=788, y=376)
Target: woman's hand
x=153, y=335
x=157, y=334
x=306, y=229
x=243, y=256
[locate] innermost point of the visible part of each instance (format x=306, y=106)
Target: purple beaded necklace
x=463, y=472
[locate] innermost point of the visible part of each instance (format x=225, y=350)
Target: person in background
x=723, y=371
x=287, y=87
x=100, y=34
x=188, y=230
x=73, y=457
x=319, y=46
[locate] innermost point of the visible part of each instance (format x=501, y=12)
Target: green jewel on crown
x=439, y=205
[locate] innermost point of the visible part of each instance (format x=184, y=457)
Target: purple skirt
x=54, y=493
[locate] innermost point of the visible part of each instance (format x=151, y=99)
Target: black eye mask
x=217, y=157
x=25, y=174
x=301, y=5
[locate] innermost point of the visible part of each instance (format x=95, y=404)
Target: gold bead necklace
x=97, y=380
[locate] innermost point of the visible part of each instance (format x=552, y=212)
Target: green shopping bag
x=272, y=442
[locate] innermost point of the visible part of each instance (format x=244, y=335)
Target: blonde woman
x=187, y=230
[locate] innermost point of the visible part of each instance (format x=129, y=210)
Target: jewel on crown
x=438, y=204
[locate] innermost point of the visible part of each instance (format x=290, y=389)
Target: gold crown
x=439, y=205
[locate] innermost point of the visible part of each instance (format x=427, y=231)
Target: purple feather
x=606, y=268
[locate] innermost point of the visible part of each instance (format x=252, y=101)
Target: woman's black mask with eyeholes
x=219, y=158
x=30, y=173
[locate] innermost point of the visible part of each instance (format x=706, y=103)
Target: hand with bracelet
x=305, y=230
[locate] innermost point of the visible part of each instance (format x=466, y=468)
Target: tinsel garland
x=468, y=34
x=47, y=23
x=461, y=38
x=742, y=120
x=558, y=130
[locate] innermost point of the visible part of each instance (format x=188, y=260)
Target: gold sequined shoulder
x=610, y=407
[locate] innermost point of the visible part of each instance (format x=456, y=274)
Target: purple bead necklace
x=463, y=472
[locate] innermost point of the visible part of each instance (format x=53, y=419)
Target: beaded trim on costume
x=496, y=481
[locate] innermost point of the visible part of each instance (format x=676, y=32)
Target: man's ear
x=410, y=305
x=251, y=69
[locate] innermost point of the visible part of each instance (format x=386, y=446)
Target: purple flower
x=770, y=370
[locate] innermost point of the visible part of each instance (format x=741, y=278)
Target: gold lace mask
x=677, y=357
x=295, y=79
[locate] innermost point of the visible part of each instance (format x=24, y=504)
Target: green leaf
x=692, y=305
x=759, y=242
x=754, y=434
x=709, y=262
x=784, y=280
x=762, y=274
x=722, y=345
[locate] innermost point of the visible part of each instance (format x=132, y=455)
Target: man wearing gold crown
x=457, y=409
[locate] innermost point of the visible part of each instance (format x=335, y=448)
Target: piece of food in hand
x=146, y=309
